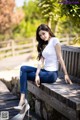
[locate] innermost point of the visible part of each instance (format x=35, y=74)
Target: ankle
x=21, y=102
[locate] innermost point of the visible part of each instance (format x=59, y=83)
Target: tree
x=49, y=9
x=71, y=23
x=72, y=12
x=9, y=16
x=32, y=19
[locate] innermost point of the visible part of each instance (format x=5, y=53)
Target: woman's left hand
x=67, y=79
x=37, y=80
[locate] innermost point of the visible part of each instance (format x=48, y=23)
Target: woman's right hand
x=37, y=80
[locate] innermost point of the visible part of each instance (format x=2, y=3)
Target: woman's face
x=44, y=35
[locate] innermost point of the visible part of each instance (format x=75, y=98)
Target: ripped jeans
x=28, y=73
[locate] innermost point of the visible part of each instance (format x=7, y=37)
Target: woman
x=49, y=54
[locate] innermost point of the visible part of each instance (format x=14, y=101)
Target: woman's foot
x=21, y=105
x=21, y=115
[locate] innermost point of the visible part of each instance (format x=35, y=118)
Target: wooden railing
x=13, y=48
x=71, y=56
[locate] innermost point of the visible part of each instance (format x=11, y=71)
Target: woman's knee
x=23, y=68
x=54, y=78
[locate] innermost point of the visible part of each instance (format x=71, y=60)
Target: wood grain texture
x=55, y=101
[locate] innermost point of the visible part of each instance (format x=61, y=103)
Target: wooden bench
x=71, y=56
x=64, y=98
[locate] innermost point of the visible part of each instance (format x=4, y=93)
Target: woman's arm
x=60, y=58
x=37, y=79
x=39, y=65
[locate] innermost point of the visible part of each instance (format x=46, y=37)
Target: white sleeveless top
x=49, y=54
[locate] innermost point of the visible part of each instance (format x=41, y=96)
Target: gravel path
x=11, y=62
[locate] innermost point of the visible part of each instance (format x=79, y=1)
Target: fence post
x=13, y=48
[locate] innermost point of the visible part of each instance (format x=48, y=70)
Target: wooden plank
x=6, y=105
x=7, y=96
x=73, y=61
x=64, y=57
x=63, y=92
x=7, y=102
x=78, y=73
x=75, y=64
x=69, y=62
x=71, y=48
x=11, y=112
x=53, y=102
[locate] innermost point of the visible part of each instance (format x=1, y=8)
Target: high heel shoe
x=27, y=109
x=21, y=115
x=27, y=106
x=20, y=107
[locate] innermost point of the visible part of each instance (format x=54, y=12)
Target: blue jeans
x=28, y=73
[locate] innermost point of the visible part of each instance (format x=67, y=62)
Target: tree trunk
x=49, y=22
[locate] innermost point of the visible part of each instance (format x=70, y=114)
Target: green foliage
x=26, y=29
x=76, y=41
x=31, y=11
x=72, y=12
x=64, y=19
x=1, y=37
x=50, y=10
x=69, y=21
x=47, y=8
x=28, y=26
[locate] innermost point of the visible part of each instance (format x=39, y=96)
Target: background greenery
x=64, y=19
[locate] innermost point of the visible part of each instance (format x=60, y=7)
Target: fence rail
x=13, y=48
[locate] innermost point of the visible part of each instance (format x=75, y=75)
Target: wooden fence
x=13, y=48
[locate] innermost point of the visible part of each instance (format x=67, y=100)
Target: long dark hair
x=41, y=43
